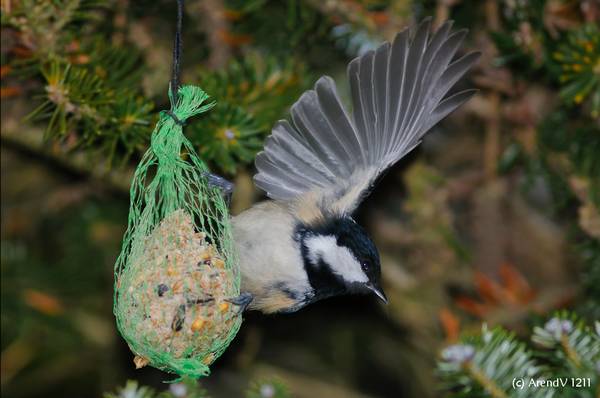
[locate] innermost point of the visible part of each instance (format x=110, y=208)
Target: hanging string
x=177, y=52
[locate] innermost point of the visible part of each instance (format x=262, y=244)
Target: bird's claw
x=242, y=301
x=225, y=186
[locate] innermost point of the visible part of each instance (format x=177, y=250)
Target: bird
x=303, y=245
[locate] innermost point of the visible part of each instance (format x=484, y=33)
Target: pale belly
x=271, y=266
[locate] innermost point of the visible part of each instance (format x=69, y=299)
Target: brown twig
x=492, y=136
x=442, y=11
x=211, y=15
x=488, y=384
x=120, y=22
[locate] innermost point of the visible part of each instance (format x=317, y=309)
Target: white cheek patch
x=339, y=258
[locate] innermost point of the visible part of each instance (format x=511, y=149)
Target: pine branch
x=184, y=389
x=132, y=390
x=570, y=345
x=91, y=90
x=31, y=140
x=83, y=106
x=92, y=98
x=192, y=389
x=43, y=24
x=486, y=365
x=579, y=58
x=251, y=95
x=268, y=389
x=490, y=363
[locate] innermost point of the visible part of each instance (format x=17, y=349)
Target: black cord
x=175, y=118
x=177, y=52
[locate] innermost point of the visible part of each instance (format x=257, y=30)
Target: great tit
x=304, y=245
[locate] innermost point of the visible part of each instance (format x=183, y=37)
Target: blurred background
x=494, y=219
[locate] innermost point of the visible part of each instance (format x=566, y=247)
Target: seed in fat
x=198, y=324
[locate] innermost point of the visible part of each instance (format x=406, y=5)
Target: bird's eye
x=365, y=265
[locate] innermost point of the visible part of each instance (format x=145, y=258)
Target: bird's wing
x=399, y=91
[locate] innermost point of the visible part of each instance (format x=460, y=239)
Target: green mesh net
x=176, y=273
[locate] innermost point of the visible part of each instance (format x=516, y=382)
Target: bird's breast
x=271, y=264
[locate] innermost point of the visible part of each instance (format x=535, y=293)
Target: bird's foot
x=225, y=186
x=242, y=301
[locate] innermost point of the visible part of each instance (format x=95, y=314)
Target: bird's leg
x=219, y=182
x=243, y=300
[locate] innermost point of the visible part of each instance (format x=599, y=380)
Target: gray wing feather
x=448, y=105
x=365, y=93
x=399, y=91
x=337, y=118
x=291, y=164
x=301, y=156
x=358, y=109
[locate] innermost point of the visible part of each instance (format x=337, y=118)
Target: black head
x=340, y=258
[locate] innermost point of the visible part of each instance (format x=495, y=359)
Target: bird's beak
x=378, y=292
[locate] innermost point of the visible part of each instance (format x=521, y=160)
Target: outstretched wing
x=327, y=158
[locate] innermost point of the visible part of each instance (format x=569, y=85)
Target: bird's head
x=340, y=258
